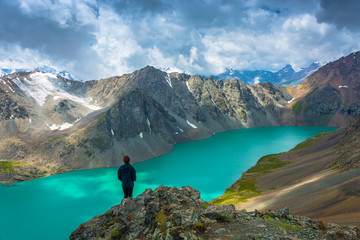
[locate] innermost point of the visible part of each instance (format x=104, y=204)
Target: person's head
x=126, y=159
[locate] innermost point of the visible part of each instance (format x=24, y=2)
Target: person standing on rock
x=127, y=175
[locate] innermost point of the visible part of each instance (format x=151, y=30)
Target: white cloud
x=14, y=56
x=102, y=38
x=62, y=12
x=115, y=43
x=300, y=39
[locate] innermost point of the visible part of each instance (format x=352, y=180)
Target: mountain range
x=44, y=68
x=50, y=124
x=287, y=76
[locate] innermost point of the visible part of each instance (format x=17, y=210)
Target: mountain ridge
x=44, y=68
x=319, y=178
x=80, y=125
x=287, y=76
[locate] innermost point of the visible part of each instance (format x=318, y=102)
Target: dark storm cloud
x=200, y=13
x=344, y=13
x=43, y=34
x=209, y=13
x=136, y=8
x=100, y=38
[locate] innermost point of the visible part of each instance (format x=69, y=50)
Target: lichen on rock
x=180, y=213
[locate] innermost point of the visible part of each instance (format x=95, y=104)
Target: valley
x=51, y=125
x=56, y=125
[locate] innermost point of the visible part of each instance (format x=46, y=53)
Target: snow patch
x=148, y=123
x=76, y=120
x=180, y=129
x=60, y=127
x=256, y=80
x=171, y=69
x=191, y=124
x=297, y=69
x=44, y=84
x=343, y=86
x=141, y=135
x=57, y=97
x=112, y=132
x=187, y=84
x=291, y=100
x=168, y=79
x=7, y=86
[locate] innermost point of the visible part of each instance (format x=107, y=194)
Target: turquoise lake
x=52, y=207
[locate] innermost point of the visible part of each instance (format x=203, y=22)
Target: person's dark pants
x=128, y=192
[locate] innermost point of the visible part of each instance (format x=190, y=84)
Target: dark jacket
x=127, y=175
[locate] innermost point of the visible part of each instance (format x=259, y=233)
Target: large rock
x=179, y=213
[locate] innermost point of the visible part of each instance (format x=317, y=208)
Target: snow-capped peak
x=44, y=68
x=171, y=69
x=43, y=85
x=47, y=69
x=7, y=71
x=296, y=68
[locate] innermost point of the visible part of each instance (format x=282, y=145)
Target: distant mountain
x=288, y=76
x=79, y=125
x=46, y=69
x=7, y=71
x=331, y=95
x=87, y=125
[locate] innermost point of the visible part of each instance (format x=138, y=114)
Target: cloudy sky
x=94, y=39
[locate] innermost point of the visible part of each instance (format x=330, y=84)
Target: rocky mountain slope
x=287, y=76
x=331, y=95
x=55, y=125
x=78, y=125
x=319, y=178
x=172, y=213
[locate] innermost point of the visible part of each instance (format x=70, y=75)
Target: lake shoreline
x=307, y=184
x=77, y=196
x=26, y=175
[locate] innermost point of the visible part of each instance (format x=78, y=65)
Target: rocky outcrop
x=179, y=213
x=347, y=149
x=11, y=172
x=330, y=96
x=10, y=109
x=287, y=76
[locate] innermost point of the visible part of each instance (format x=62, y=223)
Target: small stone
x=251, y=236
x=221, y=230
x=156, y=232
x=168, y=224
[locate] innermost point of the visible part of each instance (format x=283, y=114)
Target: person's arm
x=134, y=175
x=119, y=175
